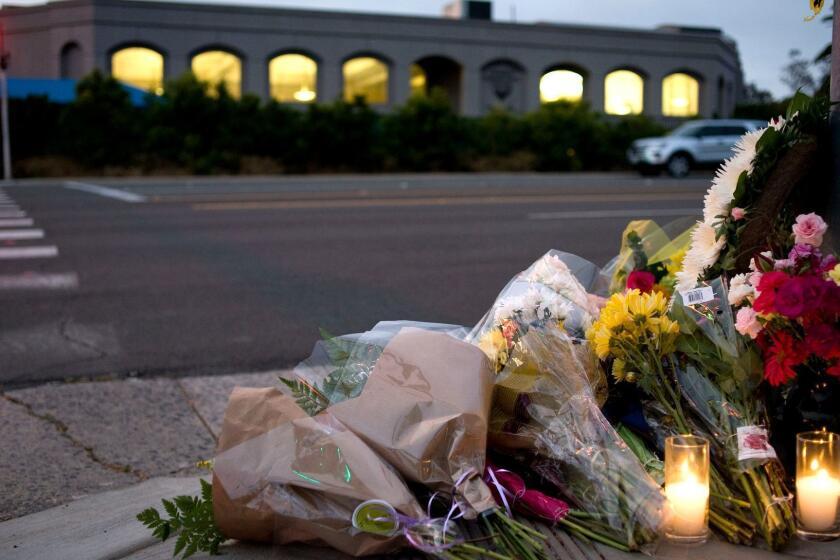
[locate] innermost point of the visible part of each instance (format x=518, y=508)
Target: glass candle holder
x=817, y=485
x=687, y=489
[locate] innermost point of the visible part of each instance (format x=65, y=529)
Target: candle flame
x=815, y=465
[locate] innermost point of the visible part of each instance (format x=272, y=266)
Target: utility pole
x=834, y=121
x=4, y=108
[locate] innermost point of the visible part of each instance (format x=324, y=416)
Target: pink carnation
x=738, y=213
x=747, y=323
x=809, y=228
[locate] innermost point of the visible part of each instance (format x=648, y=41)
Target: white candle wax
x=816, y=498
x=688, y=500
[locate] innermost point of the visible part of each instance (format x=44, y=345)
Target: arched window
x=561, y=85
x=219, y=67
x=292, y=78
x=139, y=67
x=366, y=77
x=680, y=95
x=624, y=93
x=71, y=64
x=418, y=80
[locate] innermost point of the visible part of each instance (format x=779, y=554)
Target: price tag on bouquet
x=754, y=443
x=697, y=296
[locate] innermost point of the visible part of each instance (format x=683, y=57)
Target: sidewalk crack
x=196, y=412
x=64, y=431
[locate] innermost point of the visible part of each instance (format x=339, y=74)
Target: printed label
x=698, y=295
x=753, y=443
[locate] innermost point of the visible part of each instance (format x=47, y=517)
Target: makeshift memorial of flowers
x=721, y=336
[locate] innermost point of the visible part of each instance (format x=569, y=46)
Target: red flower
x=822, y=339
x=641, y=280
x=768, y=285
x=780, y=357
x=800, y=295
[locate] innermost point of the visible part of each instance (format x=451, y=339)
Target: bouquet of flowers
x=789, y=304
x=282, y=476
x=546, y=412
x=719, y=375
x=421, y=399
x=638, y=339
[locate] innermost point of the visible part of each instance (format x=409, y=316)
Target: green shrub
x=101, y=127
x=426, y=135
x=195, y=127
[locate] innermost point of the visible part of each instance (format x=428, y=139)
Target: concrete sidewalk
x=78, y=461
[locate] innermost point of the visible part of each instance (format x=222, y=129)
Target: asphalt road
x=204, y=276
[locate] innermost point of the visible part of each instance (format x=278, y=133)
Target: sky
x=765, y=30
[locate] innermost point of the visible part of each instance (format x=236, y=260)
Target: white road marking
x=36, y=281
x=12, y=214
x=628, y=213
x=21, y=234
x=15, y=222
x=105, y=191
x=39, y=252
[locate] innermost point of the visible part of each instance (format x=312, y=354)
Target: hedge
x=198, y=128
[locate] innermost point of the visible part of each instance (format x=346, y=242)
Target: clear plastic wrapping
x=549, y=388
x=558, y=424
x=647, y=246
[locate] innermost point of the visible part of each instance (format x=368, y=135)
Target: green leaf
x=337, y=349
x=740, y=189
x=799, y=102
x=192, y=518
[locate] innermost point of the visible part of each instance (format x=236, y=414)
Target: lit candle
x=817, y=496
x=817, y=484
x=687, y=488
x=688, y=500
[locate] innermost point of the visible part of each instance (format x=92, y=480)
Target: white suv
x=702, y=143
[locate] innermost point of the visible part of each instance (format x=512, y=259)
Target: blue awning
x=61, y=91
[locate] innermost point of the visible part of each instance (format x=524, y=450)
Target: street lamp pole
x=834, y=119
x=4, y=108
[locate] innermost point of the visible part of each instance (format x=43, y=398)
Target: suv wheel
x=678, y=165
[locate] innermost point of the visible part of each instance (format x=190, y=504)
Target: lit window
x=216, y=67
x=292, y=78
x=623, y=93
x=139, y=67
x=680, y=95
x=417, y=80
x=367, y=78
x=561, y=85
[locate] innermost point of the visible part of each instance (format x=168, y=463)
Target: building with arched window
x=303, y=56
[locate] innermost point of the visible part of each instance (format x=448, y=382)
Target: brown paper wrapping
x=281, y=476
x=425, y=410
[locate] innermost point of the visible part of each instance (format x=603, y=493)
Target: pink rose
x=809, y=228
x=738, y=213
x=747, y=323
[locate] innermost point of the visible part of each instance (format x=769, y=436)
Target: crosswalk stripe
x=38, y=252
x=12, y=214
x=15, y=222
x=21, y=234
x=36, y=281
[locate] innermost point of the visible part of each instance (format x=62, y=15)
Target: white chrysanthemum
x=687, y=277
x=740, y=289
x=718, y=198
x=745, y=149
x=703, y=253
x=505, y=309
x=529, y=305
